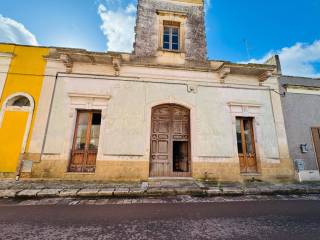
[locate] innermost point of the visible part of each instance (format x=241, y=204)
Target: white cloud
x=118, y=26
x=12, y=31
x=297, y=60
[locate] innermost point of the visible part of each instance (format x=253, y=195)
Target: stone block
x=106, y=192
x=251, y=191
x=88, y=192
x=8, y=193
x=156, y=191
x=68, y=193
x=145, y=185
x=214, y=191
x=49, y=192
x=232, y=191
x=266, y=190
x=136, y=191
x=28, y=193
x=121, y=192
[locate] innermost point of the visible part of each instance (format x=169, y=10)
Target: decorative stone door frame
x=249, y=110
x=84, y=101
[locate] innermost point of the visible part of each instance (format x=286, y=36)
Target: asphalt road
x=295, y=219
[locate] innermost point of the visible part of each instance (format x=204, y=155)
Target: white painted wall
x=125, y=130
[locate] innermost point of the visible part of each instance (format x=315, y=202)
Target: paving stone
x=68, y=193
x=136, y=191
x=87, y=202
x=214, y=191
x=314, y=189
x=169, y=191
x=200, y=184
x=121, y=192
x=191, y=191
x=106, y=192
x=233, y=191
x=9, y=193
x=66, y=200
x=88, y=193
x=102, y=201
x=28, y=193
x=251, y=191
x=136, y=200
x=6, y=184
x=156, y=191
x=49, y=201
x=144, y=185
x=152, y=200
x=28, y=203
x=266, y=190
x=127, y=201
x=49, y=192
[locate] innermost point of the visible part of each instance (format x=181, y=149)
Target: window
x=171, y=31
x=19, y=101
x=246, y=146
x=86, y=141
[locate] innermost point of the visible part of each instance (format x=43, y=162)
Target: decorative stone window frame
x=29, y=109
x=177, y=17
x=85, y=101
x=254, y=111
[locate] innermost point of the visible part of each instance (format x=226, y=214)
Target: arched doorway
x=170, y=151
x=15, y=121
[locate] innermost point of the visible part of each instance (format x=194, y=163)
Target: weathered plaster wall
x=301, y=112
x=125, y=130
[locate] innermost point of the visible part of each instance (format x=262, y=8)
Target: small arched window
x=19, y=101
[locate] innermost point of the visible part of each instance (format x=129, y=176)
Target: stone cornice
x=118, y=59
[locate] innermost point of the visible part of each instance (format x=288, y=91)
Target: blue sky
x=290, y=28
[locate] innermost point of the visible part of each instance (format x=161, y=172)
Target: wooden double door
x=85, y=142
x=246, y=145
x=170, y=141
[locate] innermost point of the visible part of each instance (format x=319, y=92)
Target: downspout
x=49, y=115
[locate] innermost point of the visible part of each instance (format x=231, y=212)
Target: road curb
x=154, y=192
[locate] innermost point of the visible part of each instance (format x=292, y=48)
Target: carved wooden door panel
x=160, y=141
x=246, y=145
x=170, y=154
x=85, y=143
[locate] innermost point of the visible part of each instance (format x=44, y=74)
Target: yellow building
x=21, y=76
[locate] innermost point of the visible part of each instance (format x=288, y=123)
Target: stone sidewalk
x=153, y=188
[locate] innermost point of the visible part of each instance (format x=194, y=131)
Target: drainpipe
x=49, y=115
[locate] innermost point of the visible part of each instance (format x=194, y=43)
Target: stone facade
x=125, y=88
x=148, y=28
x=126, y=100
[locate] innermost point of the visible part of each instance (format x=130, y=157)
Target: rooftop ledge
x=224, y=68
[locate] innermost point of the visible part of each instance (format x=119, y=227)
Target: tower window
x=171, y=36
